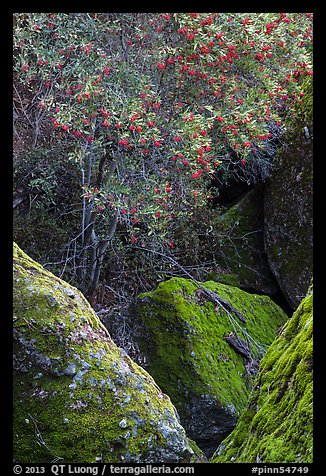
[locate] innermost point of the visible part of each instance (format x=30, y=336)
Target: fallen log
x=240, y=346
x=217, y=300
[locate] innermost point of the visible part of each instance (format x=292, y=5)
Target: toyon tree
x=154, y=107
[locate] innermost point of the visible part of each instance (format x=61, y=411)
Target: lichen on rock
x=289, y=206
x=242, y=247
x=181, y=334
x=277, y=425
x=77, y=396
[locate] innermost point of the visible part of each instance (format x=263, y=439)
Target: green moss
x=276, y=427
x=187, y=354
x=242, y=246
x=230, y=279
x=77, y=396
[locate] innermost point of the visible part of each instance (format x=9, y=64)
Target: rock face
x=243, y=248
x=183, y=337
x=288, y=209
x=77, y=397
x=276, y=426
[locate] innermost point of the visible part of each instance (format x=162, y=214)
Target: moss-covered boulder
x=77, y=397
x=276, y=426
x=289, y=208
x=184, y=339
x=242, y=247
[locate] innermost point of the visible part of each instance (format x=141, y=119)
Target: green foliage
x=139, y=72
x=49, y=213
x=45, y=174
x=169, y=99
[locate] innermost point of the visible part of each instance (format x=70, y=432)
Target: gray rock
x=208, y=391
x=123, y=423
x=289, y=216
x=69, y=292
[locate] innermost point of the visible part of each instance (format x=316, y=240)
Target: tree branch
x=213, y=297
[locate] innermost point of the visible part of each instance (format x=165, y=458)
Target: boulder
x=242, y=248
x=288, y=208
x=191, y=345
x=277, y=424
x=78, y=398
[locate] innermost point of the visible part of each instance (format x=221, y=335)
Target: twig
x=211, y=295
x=40, y=440
x=215, y=299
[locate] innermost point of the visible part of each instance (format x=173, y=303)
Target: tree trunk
x=89, y=268
x=99, y=250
